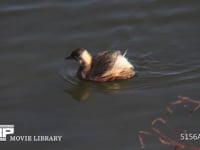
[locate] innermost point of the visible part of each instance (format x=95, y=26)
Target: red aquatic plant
x=162, y=137
x=183, y=100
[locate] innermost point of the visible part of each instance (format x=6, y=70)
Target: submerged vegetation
x=184, y=142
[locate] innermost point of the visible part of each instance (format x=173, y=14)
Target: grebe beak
x=69, y=57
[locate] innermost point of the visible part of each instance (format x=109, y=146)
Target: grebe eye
x=76, y=57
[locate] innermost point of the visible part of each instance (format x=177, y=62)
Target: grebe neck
x=85, y=59
x=85, y=64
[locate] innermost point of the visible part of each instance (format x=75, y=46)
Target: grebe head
x=76, y=54
x=81, y=55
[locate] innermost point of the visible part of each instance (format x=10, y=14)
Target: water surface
x=41, y=95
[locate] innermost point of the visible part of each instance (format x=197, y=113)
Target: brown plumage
x=105, y=66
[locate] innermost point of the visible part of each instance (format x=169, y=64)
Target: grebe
x=105, y=66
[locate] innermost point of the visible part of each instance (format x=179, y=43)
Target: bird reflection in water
x=84, y=90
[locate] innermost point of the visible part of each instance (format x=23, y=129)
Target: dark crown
x=77, y=52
